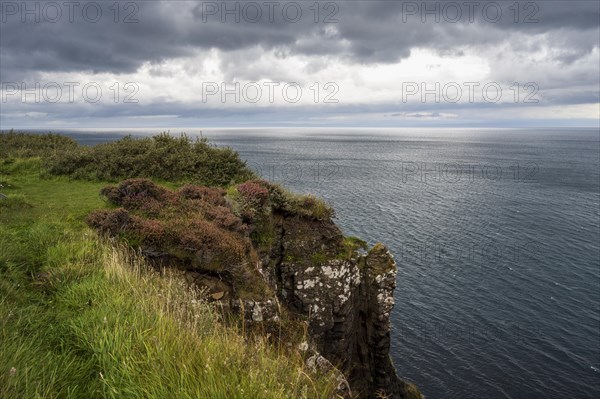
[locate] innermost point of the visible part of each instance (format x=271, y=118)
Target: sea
x=496, y=236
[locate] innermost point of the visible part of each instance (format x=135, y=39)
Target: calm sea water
x=496, y=235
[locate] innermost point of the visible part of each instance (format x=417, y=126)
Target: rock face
x=347, y=297
x=273, y=257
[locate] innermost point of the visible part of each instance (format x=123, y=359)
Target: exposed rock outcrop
x=347, y=297
x=271, y=255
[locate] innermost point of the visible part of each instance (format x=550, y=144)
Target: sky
x=194, y=64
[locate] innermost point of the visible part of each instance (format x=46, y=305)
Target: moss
x=291, y=258
x=319, y=258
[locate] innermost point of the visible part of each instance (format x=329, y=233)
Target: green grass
x=55, y=198
x=84, y=318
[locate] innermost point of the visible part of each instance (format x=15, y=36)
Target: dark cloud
x=366, y=31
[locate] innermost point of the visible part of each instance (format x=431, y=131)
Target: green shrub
x=25, y=145
x=164, y=157
x=253, y=196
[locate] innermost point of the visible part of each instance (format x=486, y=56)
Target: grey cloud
x=373, y=31
x=186, y=114
x=367, y=32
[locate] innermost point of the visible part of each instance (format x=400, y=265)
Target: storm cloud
x=167, y=47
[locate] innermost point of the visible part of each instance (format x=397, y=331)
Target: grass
x=85, y=318
x=55, y=198
x=351, y=246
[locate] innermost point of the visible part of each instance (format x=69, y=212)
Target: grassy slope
x=77, y=321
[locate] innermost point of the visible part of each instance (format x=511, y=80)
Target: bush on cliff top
x=23, y=145
x=175, y=159
x=163, y=157
x=257, y=197
x=191, y=224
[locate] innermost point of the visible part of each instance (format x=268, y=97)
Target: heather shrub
x=110, y=222
x=137, y=194
x=193, y=224
x=149, y=231
x=258, y=193
x=224, y=218
x=139, y=188
x=212, y=247
x=249, y=201
x=253, y=192
x=279, y=197
x=212, y=195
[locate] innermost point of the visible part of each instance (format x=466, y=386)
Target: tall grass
x=85, y=318
x=100, y=323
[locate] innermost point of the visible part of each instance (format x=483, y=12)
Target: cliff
x=272, y=255
x=347, y=298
